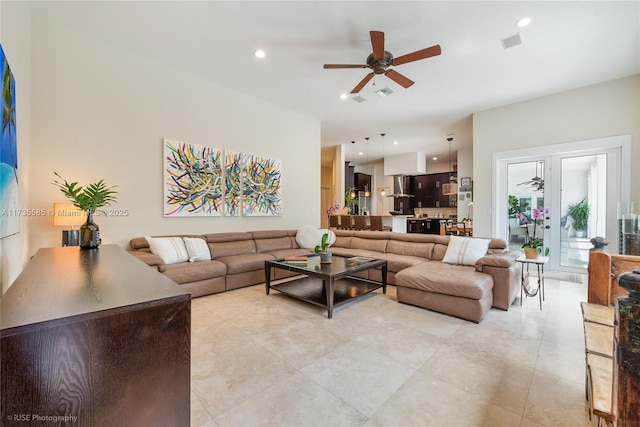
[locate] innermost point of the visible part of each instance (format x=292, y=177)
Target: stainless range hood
x=399, y=187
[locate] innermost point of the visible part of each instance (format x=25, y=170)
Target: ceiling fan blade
x=362, y=83
x=399, y=78
x=330, y=66
x=377, y=43
x=417, y=55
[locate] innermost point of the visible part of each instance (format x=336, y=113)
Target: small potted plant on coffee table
x=325, y=256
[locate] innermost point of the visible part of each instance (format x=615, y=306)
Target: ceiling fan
x=537, y=182
x=380, y=60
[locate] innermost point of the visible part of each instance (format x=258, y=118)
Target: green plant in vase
x=579, y=214
x=89, y=199
x=325, y=257
x=351, y=198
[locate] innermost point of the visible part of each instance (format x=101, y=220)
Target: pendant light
x=353, y=192
x=366, y=188
x=450, y=188
x=382, y=191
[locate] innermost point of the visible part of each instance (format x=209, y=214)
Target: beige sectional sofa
x=414, y=262
x=237, y=260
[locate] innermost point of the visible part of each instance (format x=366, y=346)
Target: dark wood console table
x=96, y=335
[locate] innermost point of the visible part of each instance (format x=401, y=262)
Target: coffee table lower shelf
x=311, y=290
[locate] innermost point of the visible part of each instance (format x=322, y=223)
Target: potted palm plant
x=579, y=214
x=89, y=199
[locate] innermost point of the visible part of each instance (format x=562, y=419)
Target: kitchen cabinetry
x=362, y=181
x=428, y=191
x=423, y=226
x=403, y=205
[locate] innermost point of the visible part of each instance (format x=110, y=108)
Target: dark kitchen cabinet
x=349, y=176
x=428, y=191
x=403, y=205
x=415, y=226
x=362, y=181
x=423, y=226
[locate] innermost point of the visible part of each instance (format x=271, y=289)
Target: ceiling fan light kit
x=380, y=60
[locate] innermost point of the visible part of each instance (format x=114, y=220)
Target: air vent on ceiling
x=384, y=91
x=512, y=41
x=358, y=98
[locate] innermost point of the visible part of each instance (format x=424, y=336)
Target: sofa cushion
x=465, y=250
x=243, y=263
x=457, y=280
x=193, y=272
x=171, y=249
x=369, y=241
x=197, y=249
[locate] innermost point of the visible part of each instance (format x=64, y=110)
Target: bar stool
x=375, y=222
x=359, y=222
x=345, y=222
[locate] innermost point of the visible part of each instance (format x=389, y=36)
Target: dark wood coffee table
x=337, y=283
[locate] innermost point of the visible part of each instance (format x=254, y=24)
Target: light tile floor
x=275, y=361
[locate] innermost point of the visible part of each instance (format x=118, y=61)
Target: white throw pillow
x=197, y=249
x=465, y=250
x=308, y=236
x=170, y=249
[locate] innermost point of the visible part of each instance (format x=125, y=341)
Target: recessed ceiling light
x=523, y=22
x=360, y=153
x=435, y=158
x=343, y=96
x=259, y=53
x=395, y=143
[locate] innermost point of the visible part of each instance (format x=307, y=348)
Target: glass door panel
x=526, y=198
x=583, y=206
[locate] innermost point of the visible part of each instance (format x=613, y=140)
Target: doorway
x=563, y=197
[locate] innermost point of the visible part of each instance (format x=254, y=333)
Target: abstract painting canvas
x=9, y=219
x=193, y=180
x=234, y=165
x=261, y=187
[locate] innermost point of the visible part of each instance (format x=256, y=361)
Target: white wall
x=101, y=113
x=606, y=109
x=15, y=39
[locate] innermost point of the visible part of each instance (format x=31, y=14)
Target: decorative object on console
x=9, y=224
x=68, y=215
x=89, y=199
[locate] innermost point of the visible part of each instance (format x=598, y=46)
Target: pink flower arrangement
x=332, y=209
x=538, y=217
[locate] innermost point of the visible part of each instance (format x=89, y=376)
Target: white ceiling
x=569, y=44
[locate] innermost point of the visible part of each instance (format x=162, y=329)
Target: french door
x=557, y=185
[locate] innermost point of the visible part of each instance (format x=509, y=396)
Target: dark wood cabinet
x=423, y=226
x=97, y=336
x=349, y=176
x=428, y=191
x=362, y=181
